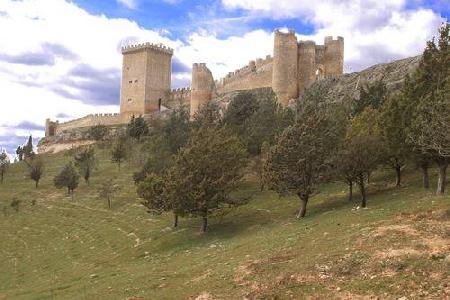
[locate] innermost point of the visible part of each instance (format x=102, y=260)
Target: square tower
x=146, y=74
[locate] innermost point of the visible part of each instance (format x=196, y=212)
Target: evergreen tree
x=137, y=127
x=119, y=150
x=176, y=129
x=4, y=164
x=393, y=128
x=302, y=156
x=36, y=169
x=107, y=190
x=204, y=172
x=429, y=130
x=19, y=153
x=98, y=132
x=28, y=149
x=86, y=162
x=371, y=95
x=68, y=178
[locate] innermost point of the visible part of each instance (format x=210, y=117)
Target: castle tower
x=202, y=87
x=334, y=56
x=285, y=62
x=146, y=73
x=306, y=65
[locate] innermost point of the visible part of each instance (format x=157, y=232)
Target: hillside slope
x=64, y=249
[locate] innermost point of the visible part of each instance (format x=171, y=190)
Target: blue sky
x=60, y=59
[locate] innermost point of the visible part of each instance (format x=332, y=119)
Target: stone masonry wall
x=257, y=74
x=90, y=120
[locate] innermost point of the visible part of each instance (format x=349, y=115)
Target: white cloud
x=131, y=4
x=53, y=57
x=374, y=30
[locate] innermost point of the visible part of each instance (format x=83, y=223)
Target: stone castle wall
x=257, y=74
x=88, y=121
x=178, y=98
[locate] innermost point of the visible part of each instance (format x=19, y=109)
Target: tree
x=176, y=129
x=137, y=127
x=107, y=190
x=36, y=169
x=346, y=168
x=429, y=128
x=204, y=172
x=28, y=149
x=362, y=148
x=372, y=95
x=4, y=164
x=302, y=156
x=85, y=162
x=19, y=152
x=151, y=190
x=119, y=150
x=158, y=157
x=268, y=121
x=257, y=164
x=298, y=162
x=393, y=128
x=240, y=109
x=98, y=132
x=68, y=178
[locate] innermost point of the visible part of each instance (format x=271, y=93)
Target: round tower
x=202, y=87
x=334, y=56
x=285, y=63
x=306, y=65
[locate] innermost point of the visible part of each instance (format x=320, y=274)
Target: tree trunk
x=68, y=191
x=398, y=172
x=368, y=177
x=72, y=195
x=350, y=190
x=204, y=223
x=363, y=191
x=425, y=177
x=37, y=183
x=442, y=178
x=109, y=202
x=303, y=203
x=175, y=220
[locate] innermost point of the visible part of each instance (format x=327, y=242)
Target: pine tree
x=68, y=178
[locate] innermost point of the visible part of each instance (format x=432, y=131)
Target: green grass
x=64, y=249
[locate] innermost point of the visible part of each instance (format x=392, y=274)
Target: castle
x=147, y=69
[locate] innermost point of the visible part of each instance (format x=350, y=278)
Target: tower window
x=136, y=81
x=131, y=81
x=129, y=100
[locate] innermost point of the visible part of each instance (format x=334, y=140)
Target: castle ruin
x=147, y=69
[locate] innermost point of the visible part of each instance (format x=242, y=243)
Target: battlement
x=331, y=39
x=181, y=90
x=281, y=32
x=145, y=46
x=306, y=43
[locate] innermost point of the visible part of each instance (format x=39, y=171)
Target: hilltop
x=64, y=249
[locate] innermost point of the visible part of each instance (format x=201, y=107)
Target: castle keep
x=147, y=69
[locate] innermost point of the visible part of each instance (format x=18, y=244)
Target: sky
x=61, y=59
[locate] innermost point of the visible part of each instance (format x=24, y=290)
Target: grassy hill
x=64, y=249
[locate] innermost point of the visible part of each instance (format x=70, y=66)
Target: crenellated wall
x=178, y=98
x=257, y=74
x=88, y=121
